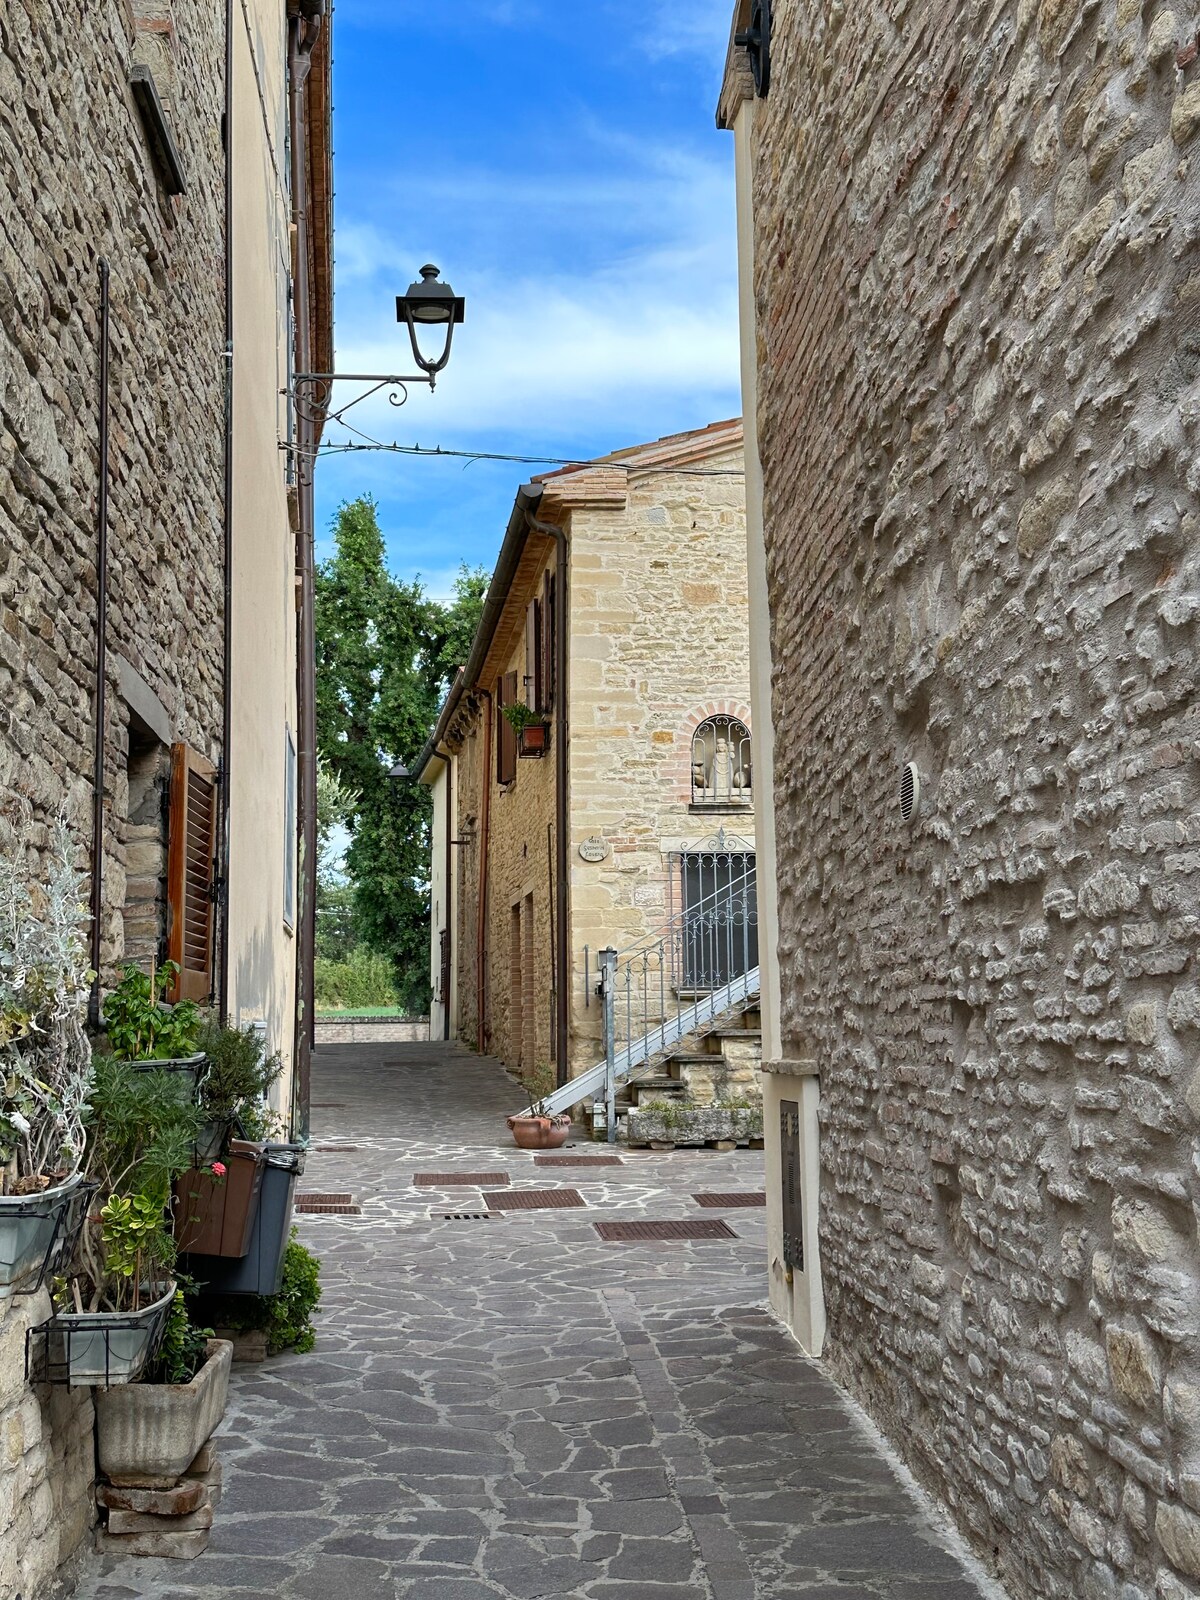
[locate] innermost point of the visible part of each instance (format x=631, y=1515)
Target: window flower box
x=96, y=1349
x=534, y=739
x=38, y=1229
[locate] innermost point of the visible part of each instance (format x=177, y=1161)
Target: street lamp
x=430, y=303
x=399, y=772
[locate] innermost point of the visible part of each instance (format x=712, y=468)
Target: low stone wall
x=373, y=1030
x=47, y=1465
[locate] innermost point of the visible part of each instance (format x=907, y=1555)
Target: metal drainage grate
x=327, y=1105
x=458, y=1180
x=721, y=1201
x=327, y=1205
x=709, y=1228
x=578, y=1161
x=535, y=1200
x=466, y=1216
x=334, y=1149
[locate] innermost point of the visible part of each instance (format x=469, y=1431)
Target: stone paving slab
x=522, y=1411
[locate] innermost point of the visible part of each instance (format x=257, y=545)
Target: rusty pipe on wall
x=102, y=381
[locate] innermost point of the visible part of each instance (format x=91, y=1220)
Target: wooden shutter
x=506, y=739
x=534, y=663
x=191, y=872
x=548, y=626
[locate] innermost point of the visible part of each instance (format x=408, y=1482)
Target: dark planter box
x=260, y=1270
x=534, y=739
x=215, y=1216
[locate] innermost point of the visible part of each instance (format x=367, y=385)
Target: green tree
x=386, y=655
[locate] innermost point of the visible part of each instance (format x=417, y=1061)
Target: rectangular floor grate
x=458, y=1180
x=721, y=1201
x=309, y=1205
x=578, y=1161
x=708, y=1228
x=334, y=1149
x=535, y=1200
x=466, y=1216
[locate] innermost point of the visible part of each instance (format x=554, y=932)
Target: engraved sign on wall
x=594, y=849
x=789, y=1151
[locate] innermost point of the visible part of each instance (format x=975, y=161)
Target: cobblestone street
x=514, y=1407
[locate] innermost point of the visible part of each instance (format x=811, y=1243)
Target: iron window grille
x=722, y=770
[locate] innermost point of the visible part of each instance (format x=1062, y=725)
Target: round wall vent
x=910, y=791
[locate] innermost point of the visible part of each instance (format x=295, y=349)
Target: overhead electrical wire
x=468, y=456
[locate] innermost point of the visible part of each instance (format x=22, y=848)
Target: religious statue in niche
x=721, y=765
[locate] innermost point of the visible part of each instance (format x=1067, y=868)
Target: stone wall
x=47, y=1464
x=76, y=184
x=79, y=184
x=978, y=305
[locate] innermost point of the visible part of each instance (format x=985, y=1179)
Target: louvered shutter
x=549, y=624
x=534, y=663
x=191, y=869
x=506, y=739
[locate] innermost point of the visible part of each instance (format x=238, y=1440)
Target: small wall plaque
x=594, y=849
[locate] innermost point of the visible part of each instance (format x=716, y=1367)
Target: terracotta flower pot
x=534, y=739
x=215, y=1210
x=540, y=1133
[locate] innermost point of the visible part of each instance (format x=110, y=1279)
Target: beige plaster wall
x=263, y=689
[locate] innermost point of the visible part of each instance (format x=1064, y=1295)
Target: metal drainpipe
x=303, y=32
x=481, y=909
x=101, y=648
x=448, y=965
x=227, y=664
x=562, y=1039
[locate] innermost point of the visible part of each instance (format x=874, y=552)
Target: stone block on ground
x=186, y=1497
x=150, y=1522
x=166, y=1545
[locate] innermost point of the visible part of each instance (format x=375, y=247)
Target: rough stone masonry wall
x=77, y=183
x=47, y=1464
x=978, y=296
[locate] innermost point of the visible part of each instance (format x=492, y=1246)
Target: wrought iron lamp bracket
x=311, y=392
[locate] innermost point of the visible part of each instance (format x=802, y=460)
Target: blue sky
x=562, y=167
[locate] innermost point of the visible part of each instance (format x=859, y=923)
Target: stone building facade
x=971, y=324
x=118, y=198
x=656, y=649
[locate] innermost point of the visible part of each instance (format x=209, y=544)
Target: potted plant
x=148, y=1433
x=532, y=731
x=536, y=1129
x=152, y=1035
x=282, y=1319
x=113, y=1307
x=215, y=1205
x=45, y=1064
x=238, y=1076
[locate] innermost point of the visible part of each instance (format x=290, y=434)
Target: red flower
x=218, y=1169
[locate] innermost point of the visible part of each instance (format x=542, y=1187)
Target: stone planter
x=99, y=1348
x=33, y=1232
x=148, y=1434
x=214, y=1216
x=260, y=1270
x=692, y=1125
x=540, y=1133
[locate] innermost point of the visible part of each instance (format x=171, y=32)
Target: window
x=191, y=872
x=506, y=739
x=721, y=765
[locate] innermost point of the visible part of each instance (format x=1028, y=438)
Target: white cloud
x=558, y=343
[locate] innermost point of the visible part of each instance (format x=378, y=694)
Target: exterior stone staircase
x=714, y=1065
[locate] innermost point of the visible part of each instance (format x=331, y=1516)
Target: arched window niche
x=722, y=770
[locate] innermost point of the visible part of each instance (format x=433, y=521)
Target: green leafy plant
x=286, y=1317
x=519, y=716
x=141, y=1026
x=237, y=1079
x=140, y=1138
x=45, y=1054
x=364, y=978
x=184, y=1348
